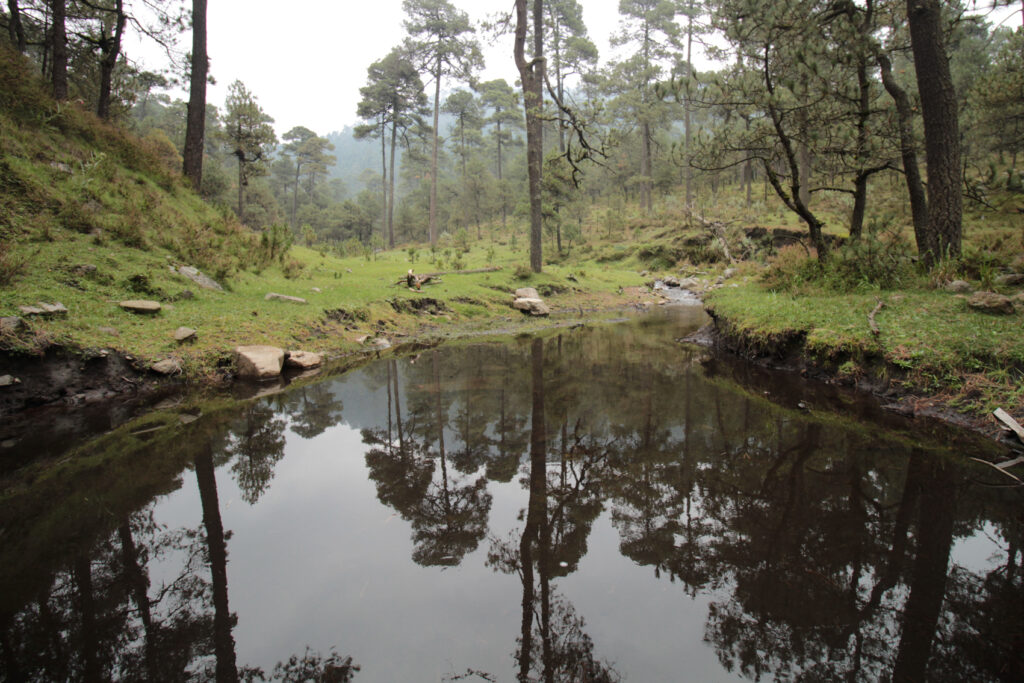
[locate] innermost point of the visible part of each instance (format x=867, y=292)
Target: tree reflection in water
x=822, y=549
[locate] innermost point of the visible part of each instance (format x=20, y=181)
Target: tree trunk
x=645, y=166
x=687, y=134
x=501, y=190
x=15, y=28
x=532, y=76
x=860, y=189
x=110, y=49
x=433, y=156
x=391, y=180
x=295, y=194
x=241, y=192
x=217, y=553
x=59, y=68
x=384, y=176
x=941, y=127
x=925, y=238
x=195, y=126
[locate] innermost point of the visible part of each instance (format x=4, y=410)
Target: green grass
x=930, y=337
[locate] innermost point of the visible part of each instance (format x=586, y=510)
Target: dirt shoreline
x=882, y=380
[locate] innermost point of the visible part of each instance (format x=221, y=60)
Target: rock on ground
x=1011, y=280
x=527, y=293
x=204, y=281
x=959, y=287
x=531, y=305
x=11, y=324
x=184, y=334
x=8, y=381
x=140, y=306
x=43, y=309
x=167, y=366
x=259, y=361
x=990, y=302
x=284, y=297
x=304, y=360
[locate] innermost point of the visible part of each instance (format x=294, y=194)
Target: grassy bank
x=929, y=344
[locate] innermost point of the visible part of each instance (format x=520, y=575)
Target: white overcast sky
x=306, y=60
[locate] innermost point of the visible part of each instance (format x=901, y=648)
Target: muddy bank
x=877, y=377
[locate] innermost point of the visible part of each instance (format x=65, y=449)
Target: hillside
x=93, y=216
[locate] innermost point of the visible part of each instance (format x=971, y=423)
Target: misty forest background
x=801, y=122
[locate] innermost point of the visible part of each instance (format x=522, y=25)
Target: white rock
x=527, y=293
x=259, y=361
x=531, y=305
x=8, y=380
x=140, y=306
x=204, y=281
x=284, y=297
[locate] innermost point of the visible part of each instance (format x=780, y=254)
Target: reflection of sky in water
x=980, y=552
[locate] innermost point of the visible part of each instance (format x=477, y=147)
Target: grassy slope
x=76, y=192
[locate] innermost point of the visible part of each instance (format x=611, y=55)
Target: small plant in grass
x=292, y=268
x=490, y=255
x=11, y=266
x=522, y=272
x=411, y=251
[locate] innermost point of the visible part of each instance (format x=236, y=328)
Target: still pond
x=601, y=503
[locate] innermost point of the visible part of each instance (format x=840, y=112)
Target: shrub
x=522, y=272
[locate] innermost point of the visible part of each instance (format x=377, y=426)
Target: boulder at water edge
x=258, y=361
x=304, y=360
x=531, y=305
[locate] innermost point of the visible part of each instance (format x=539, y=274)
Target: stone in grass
x=11, y=324
x=204, y=281
x=304, y=360
x=167, y=366
x=990, y=302
x=44, y=310
x=532, y=306
x=140, y=306
x=109, y=330
x=259, y=361
x=1011, y=280
x=183, y=334
x=959, y=287
x=284, y=297
x=527, y=293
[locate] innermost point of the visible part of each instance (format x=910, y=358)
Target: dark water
x=601, y=504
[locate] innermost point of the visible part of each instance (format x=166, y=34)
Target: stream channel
x=600, y=503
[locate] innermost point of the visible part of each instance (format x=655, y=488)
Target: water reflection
x=810, y=548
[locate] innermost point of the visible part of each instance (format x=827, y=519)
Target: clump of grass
x=11, y=264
